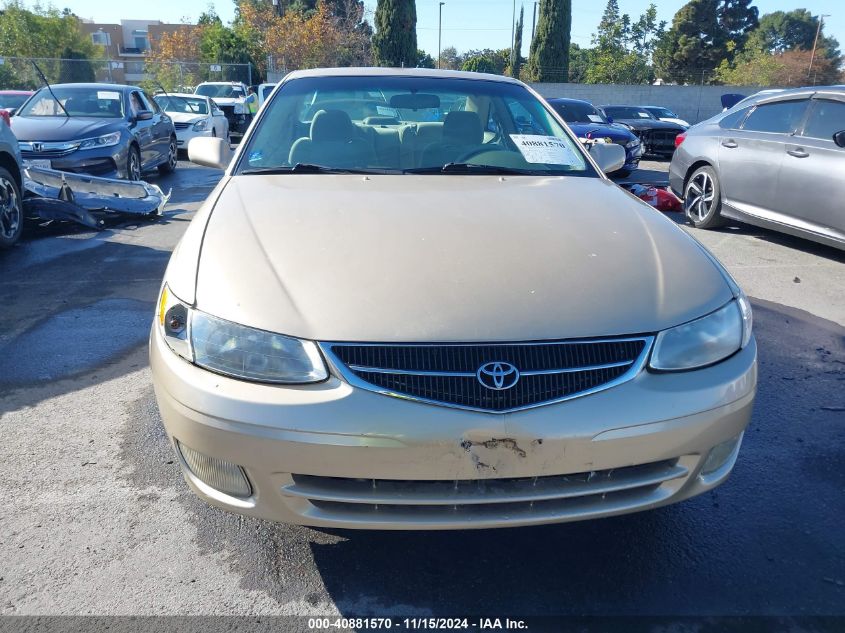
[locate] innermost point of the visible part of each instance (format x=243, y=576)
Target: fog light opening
x=720, y=455
x=217, y=473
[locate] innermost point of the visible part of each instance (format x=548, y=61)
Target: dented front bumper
x=332, y=455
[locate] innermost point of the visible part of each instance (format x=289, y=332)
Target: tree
x=395, y=40
x=516, y=53
x=781, y=31
x=778, y=69
x=449, y=59
x=495, y=60
x=549, y=57
x=579, y=62
x=737, y=19
x=693, y=46
x=76, y=67
x=479, y=64
x=424, y=60
x=622, y=50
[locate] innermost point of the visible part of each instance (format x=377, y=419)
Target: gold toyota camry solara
x=415, y=301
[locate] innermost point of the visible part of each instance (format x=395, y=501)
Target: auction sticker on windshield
x=549, y=150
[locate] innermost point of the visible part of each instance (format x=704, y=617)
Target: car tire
x=169, y=166
x=11, y=210
x=703, y=199
x=133, y=164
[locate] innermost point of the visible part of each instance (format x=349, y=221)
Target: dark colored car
x=97, y=129
x=11, y=100
x=587, y=122
x=657, y=137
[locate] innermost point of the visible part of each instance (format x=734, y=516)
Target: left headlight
x=106, y=140
x=236, y=350
x=200, y=125
x=704, y=341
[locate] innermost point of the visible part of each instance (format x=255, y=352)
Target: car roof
x=97, y=86
x=16, y=92
x=187, y=95
x=221, y=83
x=568, y=100
x=398, y=72
x=780, y=94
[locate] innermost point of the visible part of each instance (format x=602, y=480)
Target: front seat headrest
x=463, y=127
x=332, y=126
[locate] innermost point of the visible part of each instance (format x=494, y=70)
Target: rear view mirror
x=411, y=101
x=839, y=138
x=210, y=152
x=609, y=156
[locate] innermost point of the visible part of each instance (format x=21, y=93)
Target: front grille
x=661, y=140
x=179, y=125
x=449, y=374
x=522, y=498
x=46, y=153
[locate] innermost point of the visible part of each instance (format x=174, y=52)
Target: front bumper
x=183, y=137
x=106, y=162
x=332, y=455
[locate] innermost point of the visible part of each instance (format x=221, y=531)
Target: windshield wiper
x=309, y=168
x=470, y=168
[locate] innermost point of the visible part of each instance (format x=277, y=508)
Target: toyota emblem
x=498, y=375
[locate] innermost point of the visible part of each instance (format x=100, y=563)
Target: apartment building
x=127, y=44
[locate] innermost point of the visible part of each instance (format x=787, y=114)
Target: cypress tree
x=516, y=53
x=549, y=58
x=395, y=40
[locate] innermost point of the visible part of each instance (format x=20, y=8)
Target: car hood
x=186, y=117
x=448, y=258
x=650, y=124
x=52, y=128
x=614, y=132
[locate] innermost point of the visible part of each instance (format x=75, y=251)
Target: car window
x=826, y=119
x=147, y=102
x=732, y=121
x=186, y=105
x=627, y=112
x=415, y=123
x=574, y=112
x=98, y=102
x=780, y=117
x=135, y=104
x=220, y=91
x=12, y=100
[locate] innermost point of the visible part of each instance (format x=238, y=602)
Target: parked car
x=11, y=100
x=98, y=129
x=11, y=198
x=776, y=160
x=586, y=121
x=230, y=96
x=657, y=137
x=193, y=116
x=483, y=333
x=665, y=114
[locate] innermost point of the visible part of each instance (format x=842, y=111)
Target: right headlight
x=706, y=340
x=237, y=350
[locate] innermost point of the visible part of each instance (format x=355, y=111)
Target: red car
x=11, y=100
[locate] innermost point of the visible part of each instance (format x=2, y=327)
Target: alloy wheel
x=10, y=210
x=173, y=156
x=134, y=166
x=699, y=197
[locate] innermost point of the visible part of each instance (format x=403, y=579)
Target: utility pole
x=534, y=22
x=815, y=43
x=439, y=33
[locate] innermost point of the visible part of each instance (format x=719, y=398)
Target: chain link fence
x=19, y=73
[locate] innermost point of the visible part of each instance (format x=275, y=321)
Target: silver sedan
x=776, y=160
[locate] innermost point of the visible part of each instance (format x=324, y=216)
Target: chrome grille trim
x=481, y=491
x=348, y=372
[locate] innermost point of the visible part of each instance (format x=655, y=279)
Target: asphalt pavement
x=96, y=518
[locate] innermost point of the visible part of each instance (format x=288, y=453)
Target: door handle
x=797, y=152
x=730, y=143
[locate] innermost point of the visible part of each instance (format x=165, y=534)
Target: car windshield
x=12, y=101
x=220, y=91
x=627, y=112
x=187, y=105
x=575, y=112
x=663, y=112
x=78, y=101
x=408, y=124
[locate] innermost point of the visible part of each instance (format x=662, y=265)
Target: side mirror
x=609, y=119
x=609, y=156
x=839, y=138
x=210, y=152
x=144, y=115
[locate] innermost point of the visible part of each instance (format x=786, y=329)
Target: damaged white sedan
x=414, y=301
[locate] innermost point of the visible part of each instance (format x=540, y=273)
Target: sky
x=467, y=24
